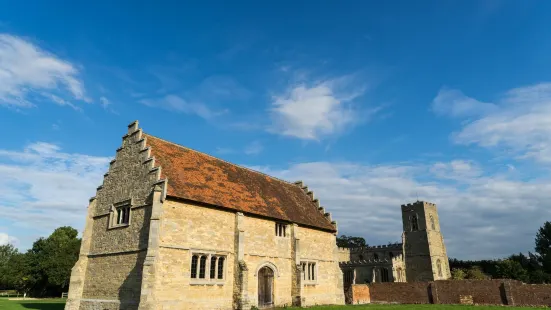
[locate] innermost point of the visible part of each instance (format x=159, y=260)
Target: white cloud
x=520, y=123
x=6, y=239
x=254, y=148
x=104, y=102
x=452, y=102
x=43, y=187
x=310, y=113
x=481, y=216
x=178, y=104
x=26, y=70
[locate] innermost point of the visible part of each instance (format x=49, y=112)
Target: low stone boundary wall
x=481, y=292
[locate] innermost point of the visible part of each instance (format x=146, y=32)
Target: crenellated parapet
x=387, y=247
x=365, y=262
x=316, y=202
x=417, y=203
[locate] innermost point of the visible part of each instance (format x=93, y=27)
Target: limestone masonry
x=420, y=257
x=172, y=228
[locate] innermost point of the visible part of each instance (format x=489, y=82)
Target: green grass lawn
x=45, y=304
x=410, y=307
x=59, y=304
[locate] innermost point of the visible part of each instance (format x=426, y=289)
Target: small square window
x=123, y=215
x=280, y=230
x=120, y=214
x=309, y=272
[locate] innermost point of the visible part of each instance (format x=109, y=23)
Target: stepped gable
x=199, y=177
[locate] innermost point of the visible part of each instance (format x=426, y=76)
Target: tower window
x=432, y=226
x=439, y=268
x=414, y=222
x=390, y=255
x=361, y=257
x=375, y=256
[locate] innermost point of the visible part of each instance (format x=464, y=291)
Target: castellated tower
x=424, y=250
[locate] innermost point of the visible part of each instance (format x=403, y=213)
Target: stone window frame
x=305, y=268
x=281, y=229
x=439, y=271
x=113, y=213
x=208, y=280
x=432, y=223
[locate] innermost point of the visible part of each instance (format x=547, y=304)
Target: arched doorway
x=265, y=287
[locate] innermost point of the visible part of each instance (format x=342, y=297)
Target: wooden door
x=265, y=287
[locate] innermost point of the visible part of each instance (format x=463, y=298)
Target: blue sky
x=372, y=104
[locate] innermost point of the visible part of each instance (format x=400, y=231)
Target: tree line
x=43, y=270
x=532, y=268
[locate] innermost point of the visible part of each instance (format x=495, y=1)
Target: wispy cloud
x=178, y=104
x=254, y=148
x=312, y=112
x=452, y=102
x=482, y=215
x=104, y=102
x=44, y=187
x=519, y=122
x=27, y=70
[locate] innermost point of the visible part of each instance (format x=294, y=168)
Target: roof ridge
x=220, y=159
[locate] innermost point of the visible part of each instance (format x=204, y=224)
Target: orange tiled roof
x=199, y=177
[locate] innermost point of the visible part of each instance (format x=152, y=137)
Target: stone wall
x=320, y=247
x=185, y=230
x=399, y=292
x=108, y=274
x=360, y=294
x=531, y=295
x=481, y=292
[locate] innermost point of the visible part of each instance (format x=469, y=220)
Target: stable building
x=174, y=228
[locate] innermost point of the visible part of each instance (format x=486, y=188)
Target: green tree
x=6, y=253
x=539, y=277
x=510, y=269
x=475, y=273
x=350, y=242
x=45, y=269
x=20, y=274
x=458, y=274
x=58, y=254
x=543, y=246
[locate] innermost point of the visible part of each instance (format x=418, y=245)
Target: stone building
x=173, y=228
x=420, y=257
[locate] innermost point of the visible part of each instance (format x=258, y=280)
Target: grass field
x=45, y=304
x=410, y=307
x=59, y=304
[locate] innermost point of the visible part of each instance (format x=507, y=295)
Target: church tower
x=424, y=250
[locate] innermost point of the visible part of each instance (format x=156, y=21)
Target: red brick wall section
x=397, y=292
x=484, y=292
x=531, y=294
x=360, y=294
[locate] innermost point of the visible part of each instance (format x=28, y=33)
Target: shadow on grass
x=43, y=306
